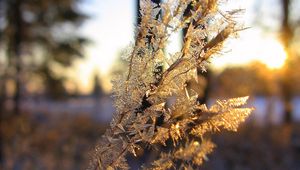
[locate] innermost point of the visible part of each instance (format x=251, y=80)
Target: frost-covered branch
x=143, y=113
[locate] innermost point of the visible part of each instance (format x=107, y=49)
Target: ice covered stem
x=144, y=114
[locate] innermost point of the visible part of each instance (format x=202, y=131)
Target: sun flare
x=253, y=46
x=273, y=54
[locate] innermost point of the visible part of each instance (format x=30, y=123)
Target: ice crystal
x=154, y=105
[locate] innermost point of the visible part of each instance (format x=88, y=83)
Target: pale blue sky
x=110, y=28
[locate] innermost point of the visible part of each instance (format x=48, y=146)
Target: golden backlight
x=113, y=31
x=267, y=50
x=273, y=54
x=252, y=46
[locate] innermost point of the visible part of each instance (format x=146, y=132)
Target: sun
x=272, y=54
x=253, y=46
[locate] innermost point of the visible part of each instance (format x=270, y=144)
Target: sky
x=111, y=29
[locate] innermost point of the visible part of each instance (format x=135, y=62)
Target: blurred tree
x=98, y=89
x=159, y=66
x=37, y=35
x=264, y=78
x=203, y=85
x=254, y=79
x=237, y=77
x=289, y=78
x=288, y=31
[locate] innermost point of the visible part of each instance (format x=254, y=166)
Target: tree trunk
x=2, y=100
x=206, y=76
x=138, y=13
x=2, y=95
x=287, y=111
x=15, y=18
x=286, y=37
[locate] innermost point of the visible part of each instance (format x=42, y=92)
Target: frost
x=144, y=114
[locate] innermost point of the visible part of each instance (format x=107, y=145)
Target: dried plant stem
x=141, y=95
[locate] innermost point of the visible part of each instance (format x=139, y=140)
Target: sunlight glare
x=253, y=45
x=274, y=55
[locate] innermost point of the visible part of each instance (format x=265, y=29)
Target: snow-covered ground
x=99, y=108
x=272, y=109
